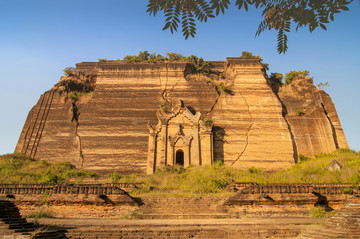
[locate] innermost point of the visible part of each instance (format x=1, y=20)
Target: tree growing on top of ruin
x=246, y=54
x=279, y=15
x=292, y=74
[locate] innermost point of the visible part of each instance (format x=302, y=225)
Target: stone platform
x=184, y=228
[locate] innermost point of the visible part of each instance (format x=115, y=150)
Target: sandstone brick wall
x=73, y=201
x=256, y=133
x=319, y=129
x=52, y=137
x=252, y=125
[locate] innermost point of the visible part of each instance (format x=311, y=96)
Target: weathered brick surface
x=319, y=129
x=252, y=125
x=256, y=134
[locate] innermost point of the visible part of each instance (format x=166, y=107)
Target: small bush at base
x=348, y=190
x=42, y=213
x=302, y=158
x=320, y=212
x=114, y=177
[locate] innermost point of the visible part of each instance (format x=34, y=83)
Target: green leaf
x=167, y=25
x=323, y=26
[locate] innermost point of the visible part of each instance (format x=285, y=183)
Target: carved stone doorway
x=179, y=157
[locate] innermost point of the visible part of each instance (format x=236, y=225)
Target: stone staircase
x=12, y=225
x=344, y=224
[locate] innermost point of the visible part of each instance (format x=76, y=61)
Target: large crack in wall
x=284, y=113
x=331, y=125
x=213, y=106
x=75, y=119
x=275, y=89
x=248, y=130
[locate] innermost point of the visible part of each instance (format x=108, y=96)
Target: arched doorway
x=179, y=157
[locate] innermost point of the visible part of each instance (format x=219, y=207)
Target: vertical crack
x=284, y=113
x=75, y=119
x=248, y=131
x=164, y=93
x=332, y=126
x=213, y=106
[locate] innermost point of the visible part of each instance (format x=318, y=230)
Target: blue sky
x=39, y=38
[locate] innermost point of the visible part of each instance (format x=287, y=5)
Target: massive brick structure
x=143, y=116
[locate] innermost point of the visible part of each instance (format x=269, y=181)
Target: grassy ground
x=20, y=169
x=192, y=181
x=213, y=180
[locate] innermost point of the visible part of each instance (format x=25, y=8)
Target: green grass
x=213, y=180
x=190, y=181
x=20, y=169
x=320, y=212
x=42, y=213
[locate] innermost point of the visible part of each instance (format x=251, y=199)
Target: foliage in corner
x=277, y=14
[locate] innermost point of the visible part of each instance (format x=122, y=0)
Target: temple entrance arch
x=181, y=137
x=179, y=158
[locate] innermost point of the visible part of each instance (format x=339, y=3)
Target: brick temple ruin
x=137, y=117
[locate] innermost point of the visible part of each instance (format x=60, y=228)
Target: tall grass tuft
x=42, y=213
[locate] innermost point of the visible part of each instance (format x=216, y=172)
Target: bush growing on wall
x=246, y=54
x=292, y=74
x=300, y=112
x=276, y=77
x=207, y=121
x=200, y=66
x=69, y=70
x=164, y=107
